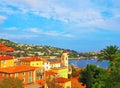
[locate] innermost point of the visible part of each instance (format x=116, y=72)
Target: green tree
x=93, y=77
x=109, y=53
x=112, y=54
x=11, y=83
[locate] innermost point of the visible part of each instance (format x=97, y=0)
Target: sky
x=81, y=25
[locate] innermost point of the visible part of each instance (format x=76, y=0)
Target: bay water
x=81, y=63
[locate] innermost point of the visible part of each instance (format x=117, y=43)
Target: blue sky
x=81, y=25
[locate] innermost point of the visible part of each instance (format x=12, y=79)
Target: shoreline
x=84, y=58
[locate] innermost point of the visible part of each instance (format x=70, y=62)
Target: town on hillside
x=35, y=72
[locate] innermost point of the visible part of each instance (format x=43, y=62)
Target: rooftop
x=62, y=80
x=31, y=59
x=4, y=48
x=5, y=57
x=15, y=69
x=50, y=73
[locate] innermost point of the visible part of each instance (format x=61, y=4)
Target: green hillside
x=35, y=50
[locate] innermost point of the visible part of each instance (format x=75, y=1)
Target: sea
x=82, y=63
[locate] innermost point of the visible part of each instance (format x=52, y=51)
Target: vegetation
x=109, y=53
x=11, y=83
x=94, y=77
x=35, y=50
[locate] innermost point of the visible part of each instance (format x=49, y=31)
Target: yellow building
x=63, y=82
x=32, y=61
x=62, y=71
x=6, y=61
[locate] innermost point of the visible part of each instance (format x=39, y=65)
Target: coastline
x=83, y=58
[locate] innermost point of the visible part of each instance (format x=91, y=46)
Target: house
x=27, y=74
x=32, y=61
x=63, y=82
x=55, y=64
x=62, y=71
x=46, y=64
x=6, y=61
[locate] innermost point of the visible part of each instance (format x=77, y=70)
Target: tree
x=114, y=78
x=112, y=54
x=93, y=77
x=109, y=53
x=11, y=83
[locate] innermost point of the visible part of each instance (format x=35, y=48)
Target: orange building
x=27, y=74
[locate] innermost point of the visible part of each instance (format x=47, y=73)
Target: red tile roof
x=15, y=69
x=31, y=59
x=4, y=48
x=1, y=45
x=50, y=73
x=5, y=57
x=62, y=80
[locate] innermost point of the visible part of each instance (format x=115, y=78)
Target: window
x=30, y=79
x=16, y=75
x=10, y=75
x=37, y=64
x=30, y=73
x=3, y=62
x=7, y=75
x=3, y=74
x=23, y=73
x=23, y=79
x=39, y=77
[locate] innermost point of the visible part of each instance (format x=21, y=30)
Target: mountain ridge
x=37, y=50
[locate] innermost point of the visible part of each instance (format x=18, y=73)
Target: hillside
x=35, y=50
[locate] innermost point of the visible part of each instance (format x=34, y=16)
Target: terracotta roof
x=5, y=57
x=31, y=59
x=62, y=80
x=50, y=73
x=4, y=48
x=15, y=69
x=1, y=45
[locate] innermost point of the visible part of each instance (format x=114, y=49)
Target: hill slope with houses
x=37, y=50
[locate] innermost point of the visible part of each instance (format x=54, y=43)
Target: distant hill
x=37, y=50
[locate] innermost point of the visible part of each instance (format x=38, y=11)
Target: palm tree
x=109, y=53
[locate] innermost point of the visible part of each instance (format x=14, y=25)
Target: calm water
x=84, y=62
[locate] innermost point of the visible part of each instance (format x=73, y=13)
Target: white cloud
x=2, y=19
x=80, y=13
x=17, y=36
x=49, y=33
x=9, y=29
